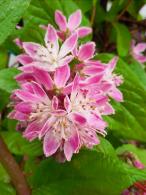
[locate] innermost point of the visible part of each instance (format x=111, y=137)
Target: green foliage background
x=99, y=171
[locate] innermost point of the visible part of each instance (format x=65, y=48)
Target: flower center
x=42, y=111
x=62, y=128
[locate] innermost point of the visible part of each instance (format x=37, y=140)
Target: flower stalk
x=13, y=169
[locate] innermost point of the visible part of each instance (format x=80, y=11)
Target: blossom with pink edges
x=68, y=27
x=64, y=92
x=50, y=56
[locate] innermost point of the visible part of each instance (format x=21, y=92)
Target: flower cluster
x=64, y=92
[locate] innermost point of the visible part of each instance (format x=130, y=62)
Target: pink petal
x=32, y=131
x=102, y=100
x=84, y=31
x=67, y=89
x=27, y=96
x=75, y=84
x=60, y=20
x=97, y=123
x=43, y=78
x=95, y=63
x=89, y=137
x=68, y=151
x=78, y=118
x=108, y=109
x=24, y=59
x=71, y=145
x=68, y=45
x=38, y=90
x=106, y=86
x=55, y=103
x=112, y=63
x=27, y=87
x=61, y=76
x=74, y=20
x=75, y=51
x=86, y=51
x=31, y=48
x=138, y=164
x=46, y=127
x=35, y=89
x=23, y=107
x=92, y=70
x=50, y=144
x=140, y=58
x=116, y=95
x=67, y=104
x=65, y=60
x=61, y=35
x=94, y=79
x=20, y=116
x=28, y=67
x=24, y=77
x=140, y=47
x=51, y=35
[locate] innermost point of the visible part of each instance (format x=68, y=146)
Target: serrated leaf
x=138, y=68
x=10, y=13
x=7, y=81
x=20, y=146
x=90, y=172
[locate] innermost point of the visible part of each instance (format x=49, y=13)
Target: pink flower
x=108, y=80
x=67, y=28
x=59, y=102
x=57, y=83
x=137, y=51
x=59, y=123
x=51, y=56
x=85, y=52
x=113, y=80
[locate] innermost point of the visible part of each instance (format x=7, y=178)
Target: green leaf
x=3, y=58
x=20, y=146
x=4, y=177
x=4, y=99
x=97, y=171
x=10, y=13
x=85, y=7
x=123, y=39
x=129, y=121
x=6, y=189
x=7, y=82
x=138, y=68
